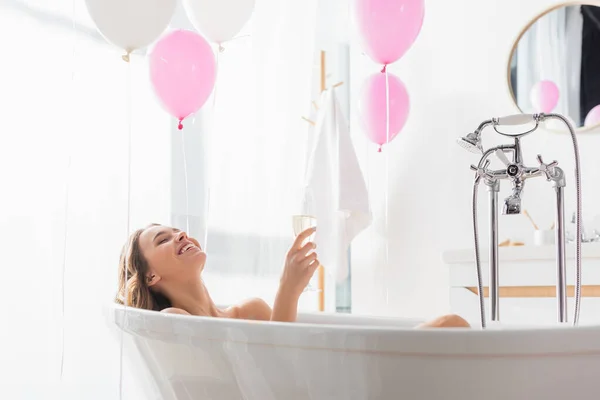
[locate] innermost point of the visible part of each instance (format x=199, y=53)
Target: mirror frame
x=513, y=49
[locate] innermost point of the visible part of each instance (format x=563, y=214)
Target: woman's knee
x=446, y=321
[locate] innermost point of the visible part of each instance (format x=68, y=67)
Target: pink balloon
x=373, y=108
x=182, y=72
x=544, y=96
x=388, y=28
x=593, y=117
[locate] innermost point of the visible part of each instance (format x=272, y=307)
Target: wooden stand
x=321, y=269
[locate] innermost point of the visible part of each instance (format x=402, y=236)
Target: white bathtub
x=346, y=357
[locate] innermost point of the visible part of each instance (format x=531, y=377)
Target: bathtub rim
x=441, y=343
x=390, y=324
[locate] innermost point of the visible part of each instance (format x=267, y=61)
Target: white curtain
x=64, y=158
x=64, y=210
x=551, y=49
x=257, y=148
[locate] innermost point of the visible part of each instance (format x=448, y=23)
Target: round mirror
x=554, y=65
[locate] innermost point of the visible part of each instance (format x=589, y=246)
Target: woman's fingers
x=312, y=267
x=303, y=236
x=308, y=260
x=304, y=250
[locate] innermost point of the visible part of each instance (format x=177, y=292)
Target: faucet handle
x=483, y=171
x=547, y=169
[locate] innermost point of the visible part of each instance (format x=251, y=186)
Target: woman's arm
x=256, y=309
x=285, y=308
x=300, y=265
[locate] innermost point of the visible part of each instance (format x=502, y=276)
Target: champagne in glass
x=304, y=219
x=300, y=223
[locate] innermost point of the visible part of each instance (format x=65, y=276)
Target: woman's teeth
x=186, y=248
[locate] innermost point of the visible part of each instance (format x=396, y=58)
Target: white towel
x=337, y=187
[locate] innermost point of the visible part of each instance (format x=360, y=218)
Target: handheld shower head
x=471, y=142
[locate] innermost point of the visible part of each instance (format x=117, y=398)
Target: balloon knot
x=384, y=69
x=180, y=126
x=221, y=48
x=379, y=150
x=125, y=57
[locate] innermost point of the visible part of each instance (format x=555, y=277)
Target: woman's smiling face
x=171, y=255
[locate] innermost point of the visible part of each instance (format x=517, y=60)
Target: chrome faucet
x=517, y=173
x=585, y=238
x=512, y=204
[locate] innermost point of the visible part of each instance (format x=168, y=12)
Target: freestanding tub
x=348, y=357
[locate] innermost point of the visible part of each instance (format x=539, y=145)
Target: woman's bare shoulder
x=173, y=310
x=255, y=308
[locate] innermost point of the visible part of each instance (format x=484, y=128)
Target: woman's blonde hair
x=133, y=287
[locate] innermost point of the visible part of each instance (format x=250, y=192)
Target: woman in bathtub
x=164, y=267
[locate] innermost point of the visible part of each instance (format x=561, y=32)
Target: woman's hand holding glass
x=304, y=218
x=301, y=262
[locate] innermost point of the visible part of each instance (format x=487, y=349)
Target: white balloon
x=131, y=24
x=219, y=20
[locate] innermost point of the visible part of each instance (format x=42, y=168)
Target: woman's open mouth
x=186, y=248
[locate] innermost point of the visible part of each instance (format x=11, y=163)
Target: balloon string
x=66, y=227
x=211, y=159
x=372, y=231
x=125, y=272
x=67, y=190
x=185, y=177
x=216, y=81
x=387, y=181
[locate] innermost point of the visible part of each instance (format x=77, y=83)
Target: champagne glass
x=303, y=219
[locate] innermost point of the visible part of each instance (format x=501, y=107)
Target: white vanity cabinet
x=527, y=276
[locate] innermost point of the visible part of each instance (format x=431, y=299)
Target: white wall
x=456, y=77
